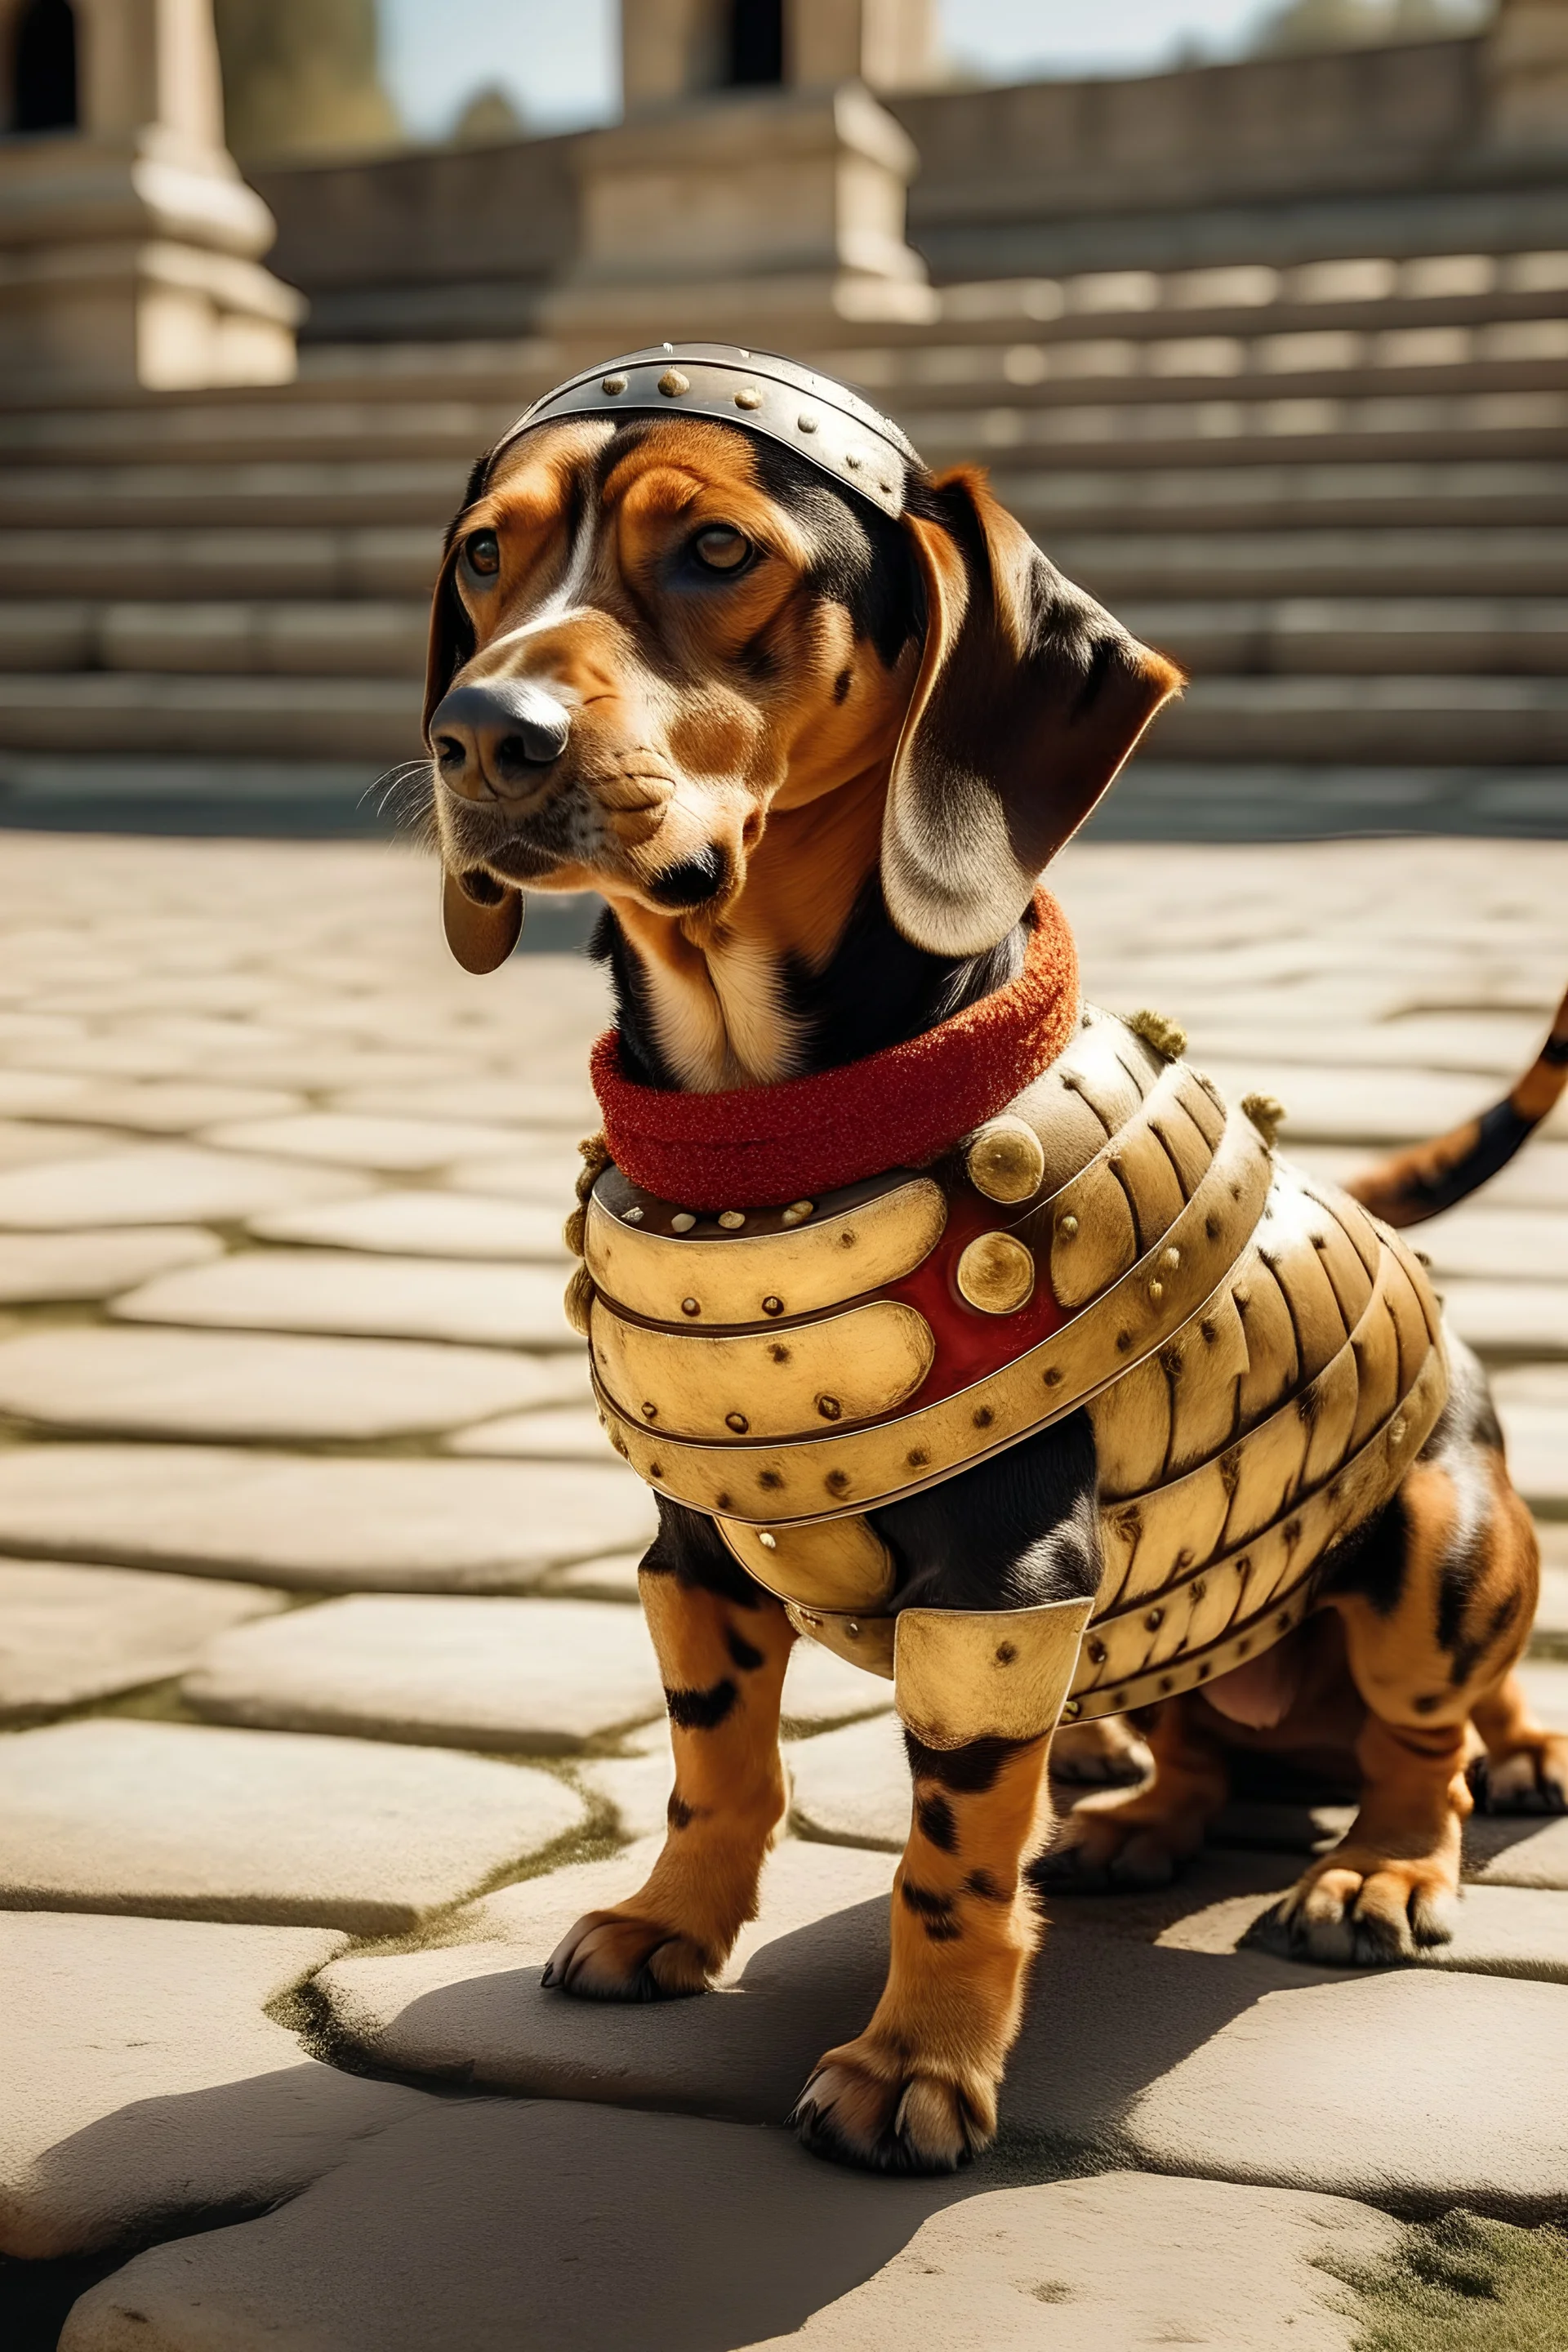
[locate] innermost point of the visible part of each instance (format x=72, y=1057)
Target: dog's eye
x=481, y=553
x=719, y=548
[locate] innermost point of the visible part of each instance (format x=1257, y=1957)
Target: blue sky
x=557, y=58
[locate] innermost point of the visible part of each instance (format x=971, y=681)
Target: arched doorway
x=755, y=49
x=43, y=66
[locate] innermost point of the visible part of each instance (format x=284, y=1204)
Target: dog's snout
x=496, y=736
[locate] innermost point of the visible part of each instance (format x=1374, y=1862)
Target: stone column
x=129, y=244
x=1527, y=74
x=757, y=214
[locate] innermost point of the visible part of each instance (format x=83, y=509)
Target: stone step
x=271, y=491
x=321, y=718
x=196, y=431
x=253, y=560
x=288, y=799
x=364, y=639
x=1443, y=721
x=1490, y=637
x=1509, y=560
x=1124, y=492
x=1344, y=362
x=1227, y=428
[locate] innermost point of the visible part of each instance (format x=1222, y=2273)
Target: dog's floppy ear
x=481, y=918
x=1028, y=701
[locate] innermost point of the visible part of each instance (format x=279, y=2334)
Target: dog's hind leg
x=1525, y=1767
x=1436, y=1607
x=1142, y=1837
x=722, y=1645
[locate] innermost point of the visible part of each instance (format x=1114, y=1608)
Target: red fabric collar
x=763, y=1146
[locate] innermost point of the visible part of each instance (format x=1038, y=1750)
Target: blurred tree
x=301, y=77
x=490, y=117
x=1352, y=23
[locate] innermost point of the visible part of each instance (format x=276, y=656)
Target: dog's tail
x=1415, y=1184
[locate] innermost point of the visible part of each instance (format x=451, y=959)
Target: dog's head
x=654, y=634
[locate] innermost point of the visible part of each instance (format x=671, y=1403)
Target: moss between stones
x=1464, y=2283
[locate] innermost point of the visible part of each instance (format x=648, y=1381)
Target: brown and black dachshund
x=813, y=759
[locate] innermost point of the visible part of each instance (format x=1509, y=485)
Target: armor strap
x=963, y=1674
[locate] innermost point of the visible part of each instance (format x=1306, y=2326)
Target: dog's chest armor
x=1260, y=1360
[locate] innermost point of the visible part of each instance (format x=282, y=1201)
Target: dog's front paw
x=868, y=2106
x=1359, y=1912
x=1111, y=1852
x=1533, y=1778
x=621, y=1955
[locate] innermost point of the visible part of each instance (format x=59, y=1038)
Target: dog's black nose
x=495, y=736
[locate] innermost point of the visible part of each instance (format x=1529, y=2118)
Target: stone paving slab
x=547, y=1178
x=613, y=1577
x=162, y=1184
x=145, y=2084
x=1331, y=1104
x=569, y=1434
x=724, y=2237
x=851, y=1787
x=545, y=1676
x=45, y=1269
x=1533, y=1405
x=347, y=1291
x=25, y=1143
x=70, y=1634
x=1433, y=2088
x=1502, y=1245
x=1508, y=1320
x=1470, y=2074
x=317, y=1523
x=1546, y=1686
x=425, y=1224
x=175, y=1106
x=391, y=1146
x=1517, y=1850
x=261, y=1385
x=821, y=1690
x=491, y=1097
x=284, y=1828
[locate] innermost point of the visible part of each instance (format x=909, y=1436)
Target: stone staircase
x=1337, y=491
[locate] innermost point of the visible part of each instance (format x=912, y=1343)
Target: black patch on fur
x=980, y=1883
x=1012, y=1533
x=741, y=1653
x=966, y=1771
x=934, y=1912
x=689, y=1548
x=934, y=1819
x=841, y=686
x=679, y=1813
x=701, y=1710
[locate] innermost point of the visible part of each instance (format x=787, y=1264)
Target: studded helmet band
x=824, y=422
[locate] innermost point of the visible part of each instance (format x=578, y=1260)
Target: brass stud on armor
x=732, y=1219
x=996, y=1274
x=798, y=1212
x=613, y=384
x=631, y=1216
x=1067, y=1228
x=1155, y=1620
x=768, y=1542
x=1006, y=1161
x=689, y=1306
x=672, y=383
x=748, y=397
x=773, y=1306
x=808, y=420
x=738, y=1423
x=682, y=1221
x=650, y=1411
x=829, y=1408
x=1172, y=1258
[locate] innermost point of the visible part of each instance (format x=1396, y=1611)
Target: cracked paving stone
x=69, y=1634
x=280, y=1829
x=381, y=1525
x=546, y=1676
x=44, y=1269
x=851, y=1787
x=145, y=2085
x=261, y=1385
x=364, y=1295
x=425, y=1224
x=162, y=1184
x=724, y=2237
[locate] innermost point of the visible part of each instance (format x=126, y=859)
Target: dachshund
x=812, y=757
